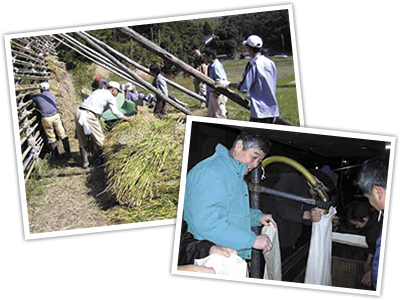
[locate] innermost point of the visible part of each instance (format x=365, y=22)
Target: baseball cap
x=253, y=41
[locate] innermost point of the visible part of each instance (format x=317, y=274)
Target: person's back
x=261, y=84
x=99, y=101
x=46, y=103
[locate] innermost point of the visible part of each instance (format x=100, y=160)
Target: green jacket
x=216, y=205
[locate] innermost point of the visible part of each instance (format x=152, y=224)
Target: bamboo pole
x=33, y=165
x=146, y=70
x=173, y=98
x=30, y=77
x=22, y=141
x=184, y=66
x=25, y=87
x=107, y=65
x=133, y=74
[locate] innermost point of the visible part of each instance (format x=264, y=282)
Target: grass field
x=286, y=91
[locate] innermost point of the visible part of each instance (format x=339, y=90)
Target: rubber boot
x=54, y=150
x=98, y=155
x=67, y=148
x=84, y=156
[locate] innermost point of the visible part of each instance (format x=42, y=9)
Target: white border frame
x=9, y=37
x=188, y=131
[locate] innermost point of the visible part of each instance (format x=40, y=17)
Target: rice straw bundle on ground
x=143, y=160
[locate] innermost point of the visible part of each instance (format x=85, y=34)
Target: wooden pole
x=146, y=70
x=134, y=75
x=184, y=66
x=102, y=62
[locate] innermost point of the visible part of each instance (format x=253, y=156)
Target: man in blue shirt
x=259, y=79
x=51, y=120
x=372, y=181
x=131, y=93
x=215, y=102
x=216, y=206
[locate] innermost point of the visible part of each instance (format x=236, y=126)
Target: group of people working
x=87, y=116
x=259, y=79
x=217, y=217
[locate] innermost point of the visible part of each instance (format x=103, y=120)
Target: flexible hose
x=309, y=177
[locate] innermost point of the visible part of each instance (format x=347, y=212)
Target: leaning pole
x=134, y=75
x=184, y=66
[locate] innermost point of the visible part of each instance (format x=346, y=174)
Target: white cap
x=45, y=86
x=129, y=86
x=114, y=84
x=253, y=41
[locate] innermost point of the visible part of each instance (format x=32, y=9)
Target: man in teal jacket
x=216, y=204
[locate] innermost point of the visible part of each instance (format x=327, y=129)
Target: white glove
x=222, y=83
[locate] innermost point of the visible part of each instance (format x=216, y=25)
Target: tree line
x=179, y=38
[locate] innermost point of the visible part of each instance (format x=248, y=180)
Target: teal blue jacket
x=217, y=206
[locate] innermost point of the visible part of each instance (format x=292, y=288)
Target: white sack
x=232, y=266
x=319, y=258
x=273, y=268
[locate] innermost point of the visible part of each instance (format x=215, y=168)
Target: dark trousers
x=161, y=108
x=273, y=120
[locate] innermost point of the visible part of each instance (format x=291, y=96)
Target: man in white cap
x=259, y=79
x=88, y=114
x=51, y=120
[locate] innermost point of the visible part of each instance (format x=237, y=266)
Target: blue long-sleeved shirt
x=216, y=71
x=259, y=79
x=375, y=262
x=46, y=103
x=216, y=205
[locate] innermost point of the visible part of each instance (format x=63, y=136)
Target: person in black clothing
x=199, y=65
x=191, y=249
x=365, y=219
x=294, y=219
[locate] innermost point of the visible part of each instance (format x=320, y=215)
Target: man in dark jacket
x=372, y=181
x=294, y=218
x=191, y=249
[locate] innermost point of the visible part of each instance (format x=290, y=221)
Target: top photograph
x=99, y=112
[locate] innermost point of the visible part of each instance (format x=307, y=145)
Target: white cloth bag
x=84, y=123
x=319, y=257
x=273, y=268
x=232, y=266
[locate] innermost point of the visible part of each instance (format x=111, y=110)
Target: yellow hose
x=309, y=177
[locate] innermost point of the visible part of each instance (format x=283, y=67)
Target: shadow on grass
x=97, y=183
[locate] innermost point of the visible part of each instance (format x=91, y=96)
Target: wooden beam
x=146, y=70
x=184, y=66
x=134, y=75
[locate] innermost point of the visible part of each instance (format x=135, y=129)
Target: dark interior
x=344, y=155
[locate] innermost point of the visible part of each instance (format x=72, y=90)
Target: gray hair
x=256, y=140
x=373, y=172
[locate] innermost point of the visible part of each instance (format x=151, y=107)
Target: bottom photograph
x=283, y=205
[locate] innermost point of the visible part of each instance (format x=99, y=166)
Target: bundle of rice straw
x=143, y=160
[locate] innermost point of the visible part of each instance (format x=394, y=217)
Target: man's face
x=251, y=156
x=196, y=52
x=207, y=59
x=360, y=224
x=377, y=197
x=114, y=92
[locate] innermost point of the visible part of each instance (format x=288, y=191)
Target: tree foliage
x=179, y=38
